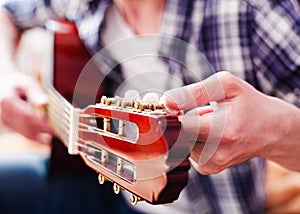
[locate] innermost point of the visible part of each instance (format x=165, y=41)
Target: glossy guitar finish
x=154, y=166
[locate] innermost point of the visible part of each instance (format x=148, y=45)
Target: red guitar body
x=70, y=57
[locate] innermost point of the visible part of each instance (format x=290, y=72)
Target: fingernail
x=177, y=96
x=172, y=111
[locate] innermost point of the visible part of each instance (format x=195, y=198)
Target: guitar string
x=60, y=119
x=59, y=111
x=59, y=114
x=87, y=128
x=62, y=126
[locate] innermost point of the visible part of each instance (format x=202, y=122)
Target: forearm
x=8, y=40
x=10, y=35
x=285, y=149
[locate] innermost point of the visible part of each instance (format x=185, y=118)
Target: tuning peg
x=120, y=165
x=101, y=179
x=104, y=156
x=117, y=188
x=135, y=199
x=121, y=128
x=106, y=124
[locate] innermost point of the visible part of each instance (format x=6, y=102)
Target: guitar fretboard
x=64, y=119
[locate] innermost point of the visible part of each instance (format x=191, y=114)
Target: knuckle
x=230, y=82
x=208, y=168
x=224, y=74
x=216, y=170
x=226, y=77
x=221, y=159
x=231, y=136
x=202, y=170
x=199, y=168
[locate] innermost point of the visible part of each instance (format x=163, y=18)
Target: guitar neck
x=64, y=118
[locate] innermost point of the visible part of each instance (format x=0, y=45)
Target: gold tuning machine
x=117, y=189
x=135, y=199
x=133, y=104
x=101, y=179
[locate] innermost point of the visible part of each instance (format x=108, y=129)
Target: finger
x=223, y=157
x=197, y=151
x=43, y=138
x=210, y=167
x=35, y=95
x=196, y=127
x=200, y=111
x=26, y=87
x=215, y=88
x=208, y=129
x=209, y=126
x=19, y=116
x=32, y=93
x=205, y=170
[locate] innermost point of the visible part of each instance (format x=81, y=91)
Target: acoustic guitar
x=137, y=146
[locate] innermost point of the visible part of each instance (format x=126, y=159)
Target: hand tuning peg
x=120, y=165
x=117, y=188
x=135, y=199
x=101, y=179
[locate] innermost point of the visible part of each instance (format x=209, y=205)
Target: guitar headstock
x=138, y=146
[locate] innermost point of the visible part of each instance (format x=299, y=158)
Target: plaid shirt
x=257, y=40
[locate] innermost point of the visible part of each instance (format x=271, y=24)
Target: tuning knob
x=117, y=188
x=120, y=165
x=134, y=199
x=101, y=179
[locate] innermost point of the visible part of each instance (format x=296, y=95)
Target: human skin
x=20, y=94
x=252, y=123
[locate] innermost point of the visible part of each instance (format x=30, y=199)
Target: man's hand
x=229, y=121
x=22, y=103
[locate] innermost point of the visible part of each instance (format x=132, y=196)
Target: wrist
x=285, y=136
